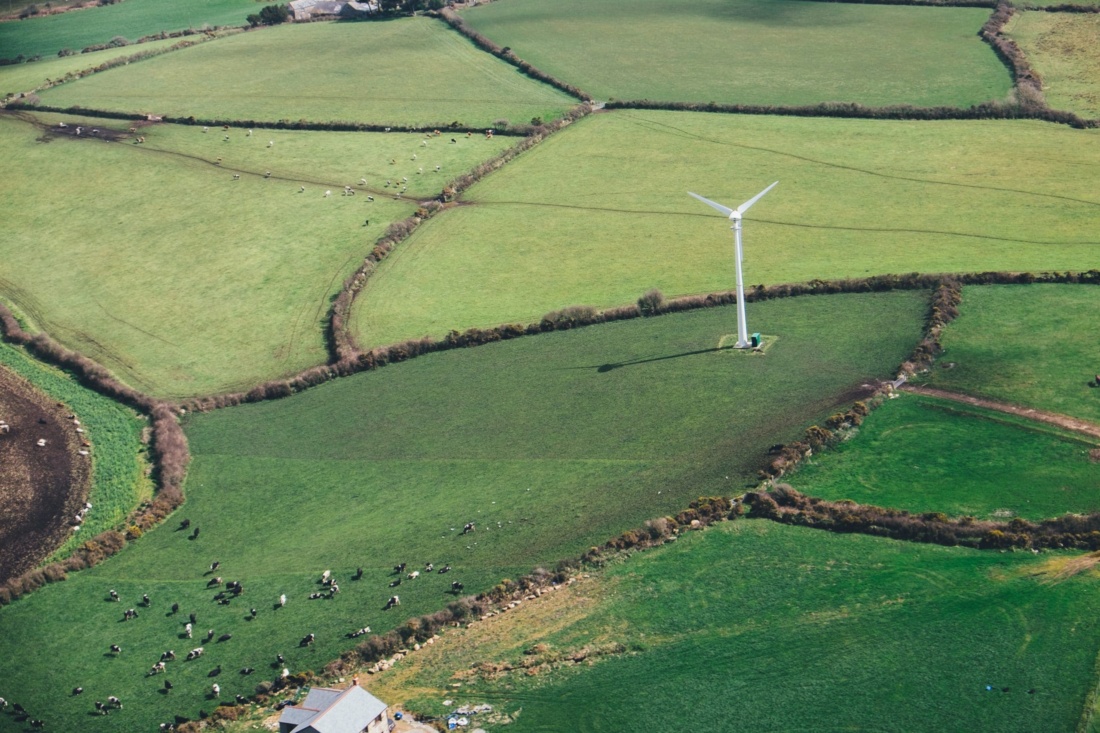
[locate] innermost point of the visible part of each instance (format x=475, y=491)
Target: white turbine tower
x=735, y=216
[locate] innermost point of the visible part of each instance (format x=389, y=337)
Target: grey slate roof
x=333, y=711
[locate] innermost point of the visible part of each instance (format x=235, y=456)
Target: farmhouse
x=309, y=9
x=326, y=710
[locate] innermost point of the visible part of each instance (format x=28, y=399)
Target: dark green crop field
x=548, y=444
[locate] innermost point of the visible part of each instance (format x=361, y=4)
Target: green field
x=531, y=439
x=1031, y=345
x=781, y=52
x=26, y=77
x=131, y=19
x=152, y=260
x=411, y=71
x=1062, y=48
x=119, y=481
x=928, y=455
x=599, y=213
x=763, y=627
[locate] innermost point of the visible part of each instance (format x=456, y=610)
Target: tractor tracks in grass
x=1066, y=422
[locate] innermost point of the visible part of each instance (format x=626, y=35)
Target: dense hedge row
x=170, y=455
x=452, y=19
x=785, y=504
x=1029, y=85
x=984, y=111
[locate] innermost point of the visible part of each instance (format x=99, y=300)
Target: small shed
x=327, y=710
x=308, y=9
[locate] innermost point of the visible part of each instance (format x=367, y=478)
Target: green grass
x=599, y=213
x=528, y=438
x=781, y=52
x=26, y=77
x=131, y=19
x=1061, y=47
x=118, y=458
x=412, y=71
x=928, y=455
x=758, y=626
x=180, y=279
x=1031, y=345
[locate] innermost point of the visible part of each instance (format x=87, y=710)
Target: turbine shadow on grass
x=601, y=368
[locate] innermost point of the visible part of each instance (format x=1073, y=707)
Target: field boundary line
x=1066, y=422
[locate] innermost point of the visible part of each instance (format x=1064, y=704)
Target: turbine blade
x=726, y=211
x=745, y=206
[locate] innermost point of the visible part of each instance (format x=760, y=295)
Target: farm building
x=326, y=710
x=309, y=9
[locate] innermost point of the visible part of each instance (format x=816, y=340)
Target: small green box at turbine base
x=760, y=344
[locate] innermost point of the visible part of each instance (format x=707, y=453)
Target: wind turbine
x=735, y=216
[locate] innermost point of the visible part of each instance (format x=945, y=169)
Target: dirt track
x=41, y=488
x=1051, y=418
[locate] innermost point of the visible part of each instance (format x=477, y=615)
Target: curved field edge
x=120, y=463
x=264, y=474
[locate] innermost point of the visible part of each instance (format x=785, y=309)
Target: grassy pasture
x=781, y=52
x=927, y=455
x=757, y=626
x=411, y=71
x=598, y=214
x=180, y=279
x=118, y=459
x=132, y=19
x=1031, y=345
x=529, y=438
x=1062, y=48
x=25, y=77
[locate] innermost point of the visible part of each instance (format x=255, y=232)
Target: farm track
x=1065, y=422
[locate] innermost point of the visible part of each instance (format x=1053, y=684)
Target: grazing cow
x=195, y=533
x=187, y=630
x=306, y=640
x=393, y=601
x=168, y=656
x=282, y=600
x=236, y=176
x=445, y=569
x=113, y=595
x=456, y=586
x=399, y=568
x=213, y=581
x=209, y=634
x=193, y=618
x=468, y=527
x=248, y=670
x=267, y=174
x=241, y=699
x=112, y=700
x=145, y=599
x=453, y=141
x=225, y=637
x=185, y=524
x=429, y=567
x=158, y=667
x=285, y=673
x=103, y=710
x=78, y=690
x=3, y=703
x=38, y=724
x=167, y=685
x=413, y=575
x=116, y=649
x=215, y=672
x=253, y=612
x=359, y=571
x=315, y=596
x=215, y=690
x=175, y=608
x=195, y=653
x=215, y=565
x=360, y=632
x=279, y=658
x=395, y=583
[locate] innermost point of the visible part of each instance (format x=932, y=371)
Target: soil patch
x=41, y=487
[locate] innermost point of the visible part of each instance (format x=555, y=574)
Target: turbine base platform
x=727, y=344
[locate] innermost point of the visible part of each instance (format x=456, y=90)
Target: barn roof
x=333, y=711
x=305, y=8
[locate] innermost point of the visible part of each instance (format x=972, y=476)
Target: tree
x=270, y=15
